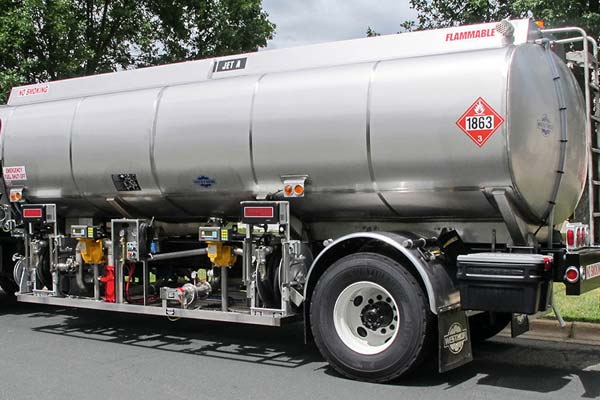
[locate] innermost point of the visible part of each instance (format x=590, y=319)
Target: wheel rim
x=365, y=316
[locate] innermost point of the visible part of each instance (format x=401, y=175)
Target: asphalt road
x=50, y=353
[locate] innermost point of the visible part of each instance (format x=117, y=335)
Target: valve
x=109, y=280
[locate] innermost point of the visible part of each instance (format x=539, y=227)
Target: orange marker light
x=288, y=190
x=299, y=190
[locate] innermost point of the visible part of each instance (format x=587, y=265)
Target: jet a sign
x=230, y=65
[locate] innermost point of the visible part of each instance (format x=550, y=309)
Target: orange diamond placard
x=480, y=121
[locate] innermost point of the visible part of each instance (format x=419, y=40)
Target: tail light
x=547, y=263
x=571, y=237
x=288, y=191
x=293, y=186
x=572, y=275
x=16, y=195
x=577, y=236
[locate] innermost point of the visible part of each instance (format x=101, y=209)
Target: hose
x=79, y=261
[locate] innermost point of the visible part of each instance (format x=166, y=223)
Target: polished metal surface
x=5, y=113
x=371, y=122
x=152, y=310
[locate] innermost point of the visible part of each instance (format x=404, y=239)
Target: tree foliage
x=372, y=33
x=444, y=13
x=44, y=40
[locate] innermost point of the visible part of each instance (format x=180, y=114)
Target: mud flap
x=454, y=340
x=519, y=324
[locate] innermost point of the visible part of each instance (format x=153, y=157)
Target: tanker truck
x=401, y=196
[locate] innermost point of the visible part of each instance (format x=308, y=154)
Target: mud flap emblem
x=454, y=340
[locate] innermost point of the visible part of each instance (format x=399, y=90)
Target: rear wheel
x=370, y=318
x=8, y=285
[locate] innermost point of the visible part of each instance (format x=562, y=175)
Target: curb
x=550, y=330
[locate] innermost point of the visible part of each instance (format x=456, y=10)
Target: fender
x=435, y=278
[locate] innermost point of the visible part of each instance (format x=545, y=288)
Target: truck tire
x=486, y=325
x=8, y=286
x=370, y=318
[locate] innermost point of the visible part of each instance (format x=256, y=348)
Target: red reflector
x=32, y=213
x=258, y=212
x=572, y=274
x=547, y=263
x=571, y=237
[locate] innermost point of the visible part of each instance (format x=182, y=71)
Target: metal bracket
x=517, y=228
x=118, y=205
x=296, y=297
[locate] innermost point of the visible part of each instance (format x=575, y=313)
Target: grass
x=584, y=308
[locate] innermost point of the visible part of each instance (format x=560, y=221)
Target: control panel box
x=210, y=233
x=264, y=212
x=85, y=232
x=44, y=213
x=128, y=239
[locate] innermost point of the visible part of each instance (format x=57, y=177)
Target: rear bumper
x=587, y=261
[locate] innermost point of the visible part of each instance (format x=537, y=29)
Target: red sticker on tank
x=480, y=121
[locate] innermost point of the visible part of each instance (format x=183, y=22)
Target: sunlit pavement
x=54, y=353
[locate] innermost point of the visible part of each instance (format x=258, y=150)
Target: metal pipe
x=55, y=283
x=79, y=262
x=551, y=229
x=224, y=293
x=53, y=256
x=559, y=317
x=414, y=244
x=96, y=282
x=247, y=259
x=177, y=254
x=145, y=280
x=111, y=257
x=119, y=267
x=28, y=285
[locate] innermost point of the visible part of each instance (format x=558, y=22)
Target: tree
x=372, y=33
x=444, y=13
x=43, y=40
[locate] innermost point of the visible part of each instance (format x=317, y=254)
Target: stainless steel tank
x=371, y=122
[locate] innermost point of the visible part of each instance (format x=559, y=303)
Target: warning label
x=32, y=91
x=14, y=174
x=480, y=121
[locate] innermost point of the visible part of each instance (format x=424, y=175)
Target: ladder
x=594, y=156
x=588, y=211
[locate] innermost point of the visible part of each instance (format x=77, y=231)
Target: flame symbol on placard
x=479, y=108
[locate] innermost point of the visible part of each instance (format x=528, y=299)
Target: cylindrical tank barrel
x=378, y=140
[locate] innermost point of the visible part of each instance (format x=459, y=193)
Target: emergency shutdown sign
x=480, y=121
